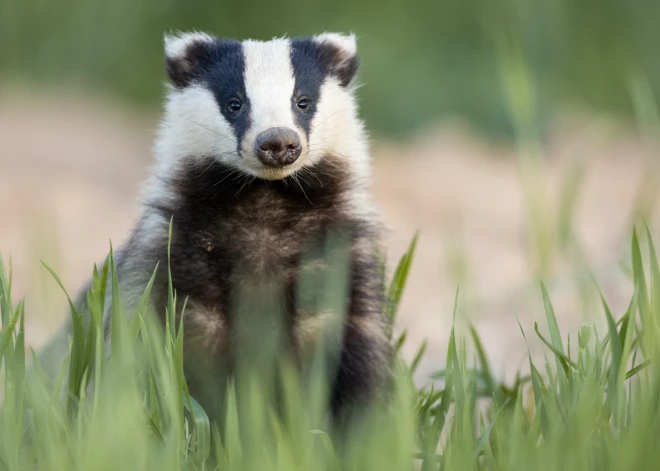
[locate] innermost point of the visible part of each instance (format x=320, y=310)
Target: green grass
x=593, y=407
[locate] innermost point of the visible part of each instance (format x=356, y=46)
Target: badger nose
x=278, y=147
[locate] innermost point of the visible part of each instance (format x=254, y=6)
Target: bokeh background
x=519, y=138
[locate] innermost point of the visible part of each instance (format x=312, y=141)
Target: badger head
x=264, y=108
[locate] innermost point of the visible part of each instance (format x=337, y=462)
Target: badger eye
x=235, y=105
x=303, y=103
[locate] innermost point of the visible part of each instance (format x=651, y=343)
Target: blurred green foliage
x=421, y=59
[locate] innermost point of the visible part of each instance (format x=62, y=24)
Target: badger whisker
x=231, y=172
x=248, y=181
x=306, y=171
x=214, y=161
x=295, y=178
x=324, y=152
x=211, y=130
x=330, y=116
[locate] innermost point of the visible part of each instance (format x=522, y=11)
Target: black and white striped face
x=264, y=108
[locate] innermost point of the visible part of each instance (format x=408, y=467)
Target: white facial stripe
x=193, y=125
x=269, y=84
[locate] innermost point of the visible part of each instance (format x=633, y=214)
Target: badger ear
x=338, y=52
x=186, y=55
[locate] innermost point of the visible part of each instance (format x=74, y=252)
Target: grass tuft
x=127, y=405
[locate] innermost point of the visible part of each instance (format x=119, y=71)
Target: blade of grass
x=563, y=359
x=6, y=307
x=418, y=357
x=555, y=334
x=8, y=331
x=483, y=360
x=633, y=371
x=398, y=282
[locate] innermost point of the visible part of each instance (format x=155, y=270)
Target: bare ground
x=71, y=166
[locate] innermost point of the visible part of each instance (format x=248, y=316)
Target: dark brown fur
x=239, y=239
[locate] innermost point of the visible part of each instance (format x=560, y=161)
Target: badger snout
x=278, y=147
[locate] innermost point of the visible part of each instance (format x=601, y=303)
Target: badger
x=261, y=160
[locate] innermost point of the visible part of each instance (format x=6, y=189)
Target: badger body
x=261, y=159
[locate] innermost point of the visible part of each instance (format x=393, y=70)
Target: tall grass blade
x=395, y=290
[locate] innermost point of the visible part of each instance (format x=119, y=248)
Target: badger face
x=264, y=108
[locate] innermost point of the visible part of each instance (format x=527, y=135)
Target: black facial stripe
x=225, y=77
x=309, y=75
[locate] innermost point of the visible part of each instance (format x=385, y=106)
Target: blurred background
x=519, y=138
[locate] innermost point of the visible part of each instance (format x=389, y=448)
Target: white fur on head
x=194, y=126
x=269, y=84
